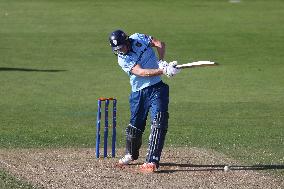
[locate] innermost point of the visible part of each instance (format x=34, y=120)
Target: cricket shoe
x=125, y=160
x=148, y=168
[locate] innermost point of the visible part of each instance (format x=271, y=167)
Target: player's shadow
x=7, y=69
x=177, y=167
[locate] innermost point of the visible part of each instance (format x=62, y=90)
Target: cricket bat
x=196, y=64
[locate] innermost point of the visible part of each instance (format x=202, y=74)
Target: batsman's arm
x=160, y=46
x=137, y=70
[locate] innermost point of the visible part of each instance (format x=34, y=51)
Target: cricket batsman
x=136, y=56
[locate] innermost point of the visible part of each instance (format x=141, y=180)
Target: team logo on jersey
x=138, y=44
x=114, y=42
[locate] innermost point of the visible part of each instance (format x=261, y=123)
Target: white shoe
x=125, y=160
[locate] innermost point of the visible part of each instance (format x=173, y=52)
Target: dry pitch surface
x=180, y=168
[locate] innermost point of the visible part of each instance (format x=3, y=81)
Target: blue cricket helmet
x=117, y=39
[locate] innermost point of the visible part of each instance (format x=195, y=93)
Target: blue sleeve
x=146, y=39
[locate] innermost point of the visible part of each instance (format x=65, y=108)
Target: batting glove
x=171, y=69
x=163, y=65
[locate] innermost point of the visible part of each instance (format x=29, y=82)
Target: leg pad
x=157, y=137
x=133, y=141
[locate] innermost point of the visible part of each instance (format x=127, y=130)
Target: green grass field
x=55, y=62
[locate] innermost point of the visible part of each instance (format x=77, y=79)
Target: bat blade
x=196, y=64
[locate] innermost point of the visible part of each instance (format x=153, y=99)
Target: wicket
x=106, y=126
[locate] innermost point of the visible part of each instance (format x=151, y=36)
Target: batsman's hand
x=171, y=69
x=163, y=65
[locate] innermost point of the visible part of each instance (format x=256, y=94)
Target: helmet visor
x=121, y=49
x=117, y=47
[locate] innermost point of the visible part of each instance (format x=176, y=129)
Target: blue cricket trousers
x=154, y=98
